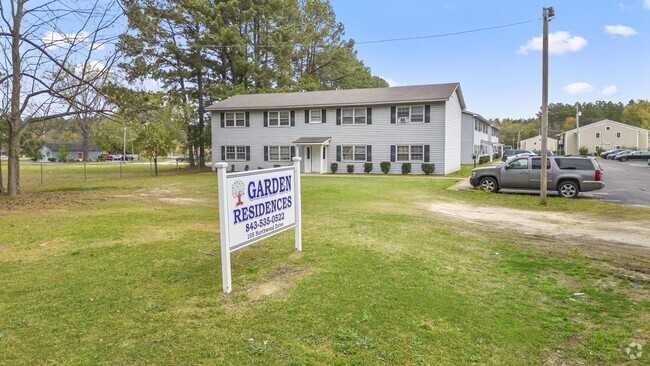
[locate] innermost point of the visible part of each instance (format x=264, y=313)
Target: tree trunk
x=85, y=147
x=13, y=172
x=2, y=188
x=155, y=166
x=190, y=153
x=199, y=85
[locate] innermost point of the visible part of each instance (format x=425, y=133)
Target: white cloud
x=610, y=90
x=391, y=82
x=620, y=30
x=624, y=6
x=59, y=40
x=558, y=43
x=578, y=88
x=646, y=3
x=90, y=66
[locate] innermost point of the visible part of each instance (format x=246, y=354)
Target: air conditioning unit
x=403, y=119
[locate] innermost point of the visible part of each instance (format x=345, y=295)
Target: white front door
x=308, y=159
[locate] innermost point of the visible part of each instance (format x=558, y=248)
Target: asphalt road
x=627, y=183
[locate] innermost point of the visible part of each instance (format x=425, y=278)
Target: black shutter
x=369, y=116
x=223, y=153
x=338, y=117
x=266, y=152
x=307, y=116
x=248, y=120
x=248, y=152
x=293, y=118
x=426, y=153
x=338, y=152
x=393, y=151
x=223, y=120
x=369, y=152
x=427, y=113
x=293, y=151
x=393, y=113
x=266, y=119
x=324, y=118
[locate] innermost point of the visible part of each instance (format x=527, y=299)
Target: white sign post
x=255, y=205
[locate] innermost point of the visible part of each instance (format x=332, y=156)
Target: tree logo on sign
x=238, y=190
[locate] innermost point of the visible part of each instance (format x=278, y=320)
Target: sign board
x=255, y=205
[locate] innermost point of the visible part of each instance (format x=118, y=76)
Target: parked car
x=530, y=153
x=612, y=156
x=183, y=159
x=605, y=154
x=633, y=155
x=568, y=175
x=105, y=157
x=539, y=152
x=512, y=152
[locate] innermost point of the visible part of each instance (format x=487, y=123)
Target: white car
x=525, y=153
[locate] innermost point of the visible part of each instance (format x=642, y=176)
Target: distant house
x=604, y=135
x=478, y=137
x=75, y=151
x=535, y=143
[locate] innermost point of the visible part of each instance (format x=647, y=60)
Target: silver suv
x=568, y=175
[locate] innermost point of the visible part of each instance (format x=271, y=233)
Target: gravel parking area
x=625, y=182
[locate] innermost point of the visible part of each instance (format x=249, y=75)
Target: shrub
x=483, y=159
x=583, y=150
x=428, y=168
x=246, y=168
x=232, y=168
x=385, y=166
x=496, y=156
x=350, y=168
x=367, y=167
x=51, y=160
x=334, y=167
x=406, y=168
x=259, y=168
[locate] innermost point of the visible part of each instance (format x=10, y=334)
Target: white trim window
x=618, y=135
x=315, y=116
x=279, y=153
x=410, y=152
x=412, y=114
x=353, y=152
x=599, y=135
x=353, y=116
x=236, y=153
x=279, y=119
x=235, y=119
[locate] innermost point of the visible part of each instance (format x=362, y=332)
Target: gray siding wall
x=381, y=134
x=452, y=152
x=467, y=138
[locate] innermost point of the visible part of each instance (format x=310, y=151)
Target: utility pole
x=546, y=13
x=578, y=113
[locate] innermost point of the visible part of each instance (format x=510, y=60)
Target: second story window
x=353, y=116
x=598, y=135
x=235, y=119
x=414, y=114
x=315, y=116
x=277, y=119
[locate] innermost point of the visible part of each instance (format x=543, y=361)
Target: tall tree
x=638, y=114
x=39, y=56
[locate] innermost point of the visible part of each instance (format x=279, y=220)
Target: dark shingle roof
x=70, y=146
x=346, y=97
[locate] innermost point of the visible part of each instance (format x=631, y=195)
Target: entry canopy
x=313, y=141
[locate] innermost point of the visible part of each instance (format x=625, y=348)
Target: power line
x=450, y=34
x=441, y=35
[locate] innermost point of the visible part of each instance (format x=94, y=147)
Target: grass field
x=127, y=272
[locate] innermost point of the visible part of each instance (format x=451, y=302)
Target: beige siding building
x=605, y=135
x=535, y=143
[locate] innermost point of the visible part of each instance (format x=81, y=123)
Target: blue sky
x=600, y=49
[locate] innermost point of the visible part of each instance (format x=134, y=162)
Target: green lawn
x=125, y=272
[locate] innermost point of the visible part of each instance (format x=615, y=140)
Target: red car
x=105, y=157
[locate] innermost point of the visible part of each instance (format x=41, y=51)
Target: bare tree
x=49, y=48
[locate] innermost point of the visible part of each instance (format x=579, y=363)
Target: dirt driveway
x=614, y=237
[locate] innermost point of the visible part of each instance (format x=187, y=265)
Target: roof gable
x=345, y=97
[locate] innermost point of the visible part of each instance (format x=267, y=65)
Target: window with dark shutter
x=369, y=152
x=248, y=153
x=393, y=150
x=293, y=118
x=324, y=116
x=393, y=114
x=223, y=153
x=427, y=113
x=266, y=152
x=266, y=119
x=307, y=116
x=427, y=152
x=369, y=116
x=338, y=153
x=248, y=119
x=293, y=151
x=338, y=116
x=223, y=120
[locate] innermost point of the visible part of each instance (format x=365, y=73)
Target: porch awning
x=313, y=141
